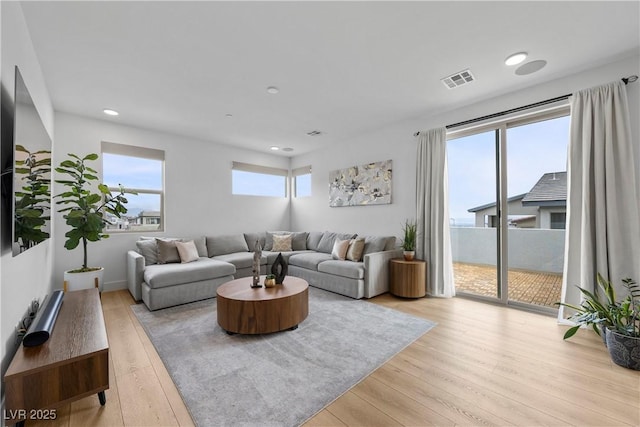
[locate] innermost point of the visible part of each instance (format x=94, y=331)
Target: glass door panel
x=536, y=209
x=472, y=206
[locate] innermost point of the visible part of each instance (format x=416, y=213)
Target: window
x=507, y=202
x=141, y=170
x=302, y=181
x=558, y=220
x=254, y=180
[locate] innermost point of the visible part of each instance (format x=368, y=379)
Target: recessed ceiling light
x=273, y=89
x=110, y=112
x=274, y=148
x=516, y=58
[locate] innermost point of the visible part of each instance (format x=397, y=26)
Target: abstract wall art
x=368, y=184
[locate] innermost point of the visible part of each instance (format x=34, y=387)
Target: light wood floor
x=482, y=365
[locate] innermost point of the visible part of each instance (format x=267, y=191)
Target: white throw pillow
x=340, y=248
x=188, y=251
x=281, y=243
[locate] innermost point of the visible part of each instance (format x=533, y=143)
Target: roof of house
x=148, y=213
x=550, y=190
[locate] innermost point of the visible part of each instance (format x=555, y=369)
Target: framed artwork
x=368, y=184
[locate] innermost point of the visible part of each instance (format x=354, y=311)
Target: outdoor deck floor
x=524, y=286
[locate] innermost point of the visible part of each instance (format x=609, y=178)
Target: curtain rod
x=626, y=80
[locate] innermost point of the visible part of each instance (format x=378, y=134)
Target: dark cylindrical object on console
x=42, y=326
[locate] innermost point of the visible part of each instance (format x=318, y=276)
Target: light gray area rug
x=279, y=379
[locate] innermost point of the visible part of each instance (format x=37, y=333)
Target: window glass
x=141, y=170
x=258, y=184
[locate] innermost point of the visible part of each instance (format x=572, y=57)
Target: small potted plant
x=409, y=230
x=270, y=281
x=617, y=321
x=85, y=213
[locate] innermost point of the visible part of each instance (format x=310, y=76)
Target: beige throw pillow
x=167, y=251
x=281, y=243
x=188, y=251
x=340, y=248
x=356, y=248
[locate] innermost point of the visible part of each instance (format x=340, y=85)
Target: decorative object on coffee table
x=270, y=281
x=257, y=254
x=279, y=269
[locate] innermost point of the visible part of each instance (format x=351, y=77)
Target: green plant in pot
x=409, y=230
x=618, y=321
x=85, y=212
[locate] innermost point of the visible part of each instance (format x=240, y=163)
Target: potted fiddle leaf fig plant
x=618, y=322
x=409, y=229
x=86, y=211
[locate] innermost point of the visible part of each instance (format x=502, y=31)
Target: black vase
x=279, y=269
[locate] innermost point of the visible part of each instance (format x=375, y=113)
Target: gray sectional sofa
x=223, y=258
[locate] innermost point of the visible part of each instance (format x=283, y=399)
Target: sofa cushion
x=352, y=270
x=374, y=244
x=240, y=259
x=160, y=276
x=281, y=243
x=340, y=248
x=329, y=238
x=356, y=249
x=167, y=251
x=187, y=251
x=313, y=239
x=149, y=250
x=299, y=241
x=251, y=238
x=309, y=260
x=222, y=245
x=271, y=256
x=201, y=245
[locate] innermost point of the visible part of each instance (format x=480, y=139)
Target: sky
x=134, y=172
x=532, y=151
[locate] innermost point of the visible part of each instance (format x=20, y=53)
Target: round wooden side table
x=408, y=278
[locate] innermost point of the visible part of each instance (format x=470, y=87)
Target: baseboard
x=114, y=286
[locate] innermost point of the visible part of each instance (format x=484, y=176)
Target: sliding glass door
x=507, y=200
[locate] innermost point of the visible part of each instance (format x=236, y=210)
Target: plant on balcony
x=619, y=321
x=409, y=229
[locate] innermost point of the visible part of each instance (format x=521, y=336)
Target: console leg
x=102, y=398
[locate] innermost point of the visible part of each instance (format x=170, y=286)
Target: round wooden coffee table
x=246, y=310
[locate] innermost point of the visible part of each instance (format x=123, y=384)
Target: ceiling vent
x=314, y=133
x=458, y=79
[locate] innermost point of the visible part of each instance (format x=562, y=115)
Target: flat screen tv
x=31, y=202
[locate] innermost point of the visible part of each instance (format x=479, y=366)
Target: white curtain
x=432, y=213
x=603, y=208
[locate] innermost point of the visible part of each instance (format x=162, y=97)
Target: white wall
x=398, y=143
x=29, y=275
x=198, y=198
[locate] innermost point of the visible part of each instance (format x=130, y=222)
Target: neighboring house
x=148, y=218
x=545, y=206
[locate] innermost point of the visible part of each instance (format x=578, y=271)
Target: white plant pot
x=85, y=280
x=409, y=255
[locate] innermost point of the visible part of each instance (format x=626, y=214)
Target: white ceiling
x=342, y=67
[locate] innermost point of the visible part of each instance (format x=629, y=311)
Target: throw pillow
x=356, y=249
x=268, y=239
x=149, y=250
x=167, y=251
x=281, y=243
x=188, y=251
x=340, y=248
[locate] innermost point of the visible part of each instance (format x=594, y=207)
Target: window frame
x=301, y=171
x=263, y=170
x=143, y=153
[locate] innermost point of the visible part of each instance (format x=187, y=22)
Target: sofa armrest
x=376, y=272
x=135, y=274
